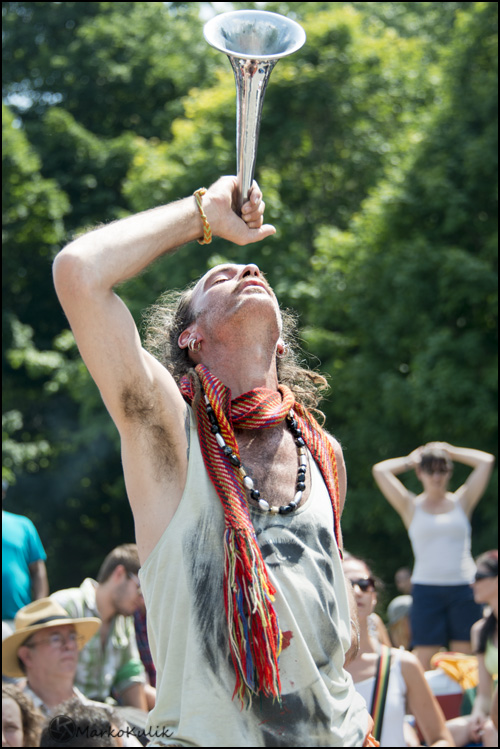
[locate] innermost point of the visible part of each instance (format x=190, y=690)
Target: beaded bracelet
x=207, y=231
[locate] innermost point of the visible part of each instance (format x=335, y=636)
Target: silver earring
x=194, y=345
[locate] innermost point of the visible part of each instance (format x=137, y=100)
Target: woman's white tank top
x=442, y=547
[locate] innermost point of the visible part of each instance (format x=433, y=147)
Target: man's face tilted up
x=231, y=297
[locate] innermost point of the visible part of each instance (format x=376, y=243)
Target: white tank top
x=182, y=585
x=442, y=547
x=395, y=704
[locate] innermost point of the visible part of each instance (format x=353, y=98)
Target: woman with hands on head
x=438, y=524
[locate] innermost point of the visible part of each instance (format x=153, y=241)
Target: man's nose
x=250, y=270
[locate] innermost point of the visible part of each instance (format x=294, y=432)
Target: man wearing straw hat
x=235, y=488
x=44, y=648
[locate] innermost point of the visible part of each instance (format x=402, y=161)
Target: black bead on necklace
x=248, y=482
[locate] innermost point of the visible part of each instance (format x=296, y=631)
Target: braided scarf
x=254, y=634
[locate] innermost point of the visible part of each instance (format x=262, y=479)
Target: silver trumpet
x=254, y=41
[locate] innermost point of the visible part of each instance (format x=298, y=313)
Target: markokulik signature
x=63, y=729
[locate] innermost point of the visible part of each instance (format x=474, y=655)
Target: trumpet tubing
x=254, y=41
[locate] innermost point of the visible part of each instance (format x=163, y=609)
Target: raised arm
x=392, y=488
x=140, y=394
x=471, y=492
x=87, y=270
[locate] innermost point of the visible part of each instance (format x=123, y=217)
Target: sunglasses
x=483, y=576
x=365, y=584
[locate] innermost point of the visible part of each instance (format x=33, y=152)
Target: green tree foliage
x=33, y=211
x=113, y=66
x=377, y=157
x=416, y=286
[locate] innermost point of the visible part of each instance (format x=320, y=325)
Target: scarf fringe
x=254, y=634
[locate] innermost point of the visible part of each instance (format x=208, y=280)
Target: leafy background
x=378, y=161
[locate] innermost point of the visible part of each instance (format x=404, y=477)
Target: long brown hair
x=165, y=320
x=31, y=716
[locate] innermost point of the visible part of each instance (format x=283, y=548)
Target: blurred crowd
x=77, y=668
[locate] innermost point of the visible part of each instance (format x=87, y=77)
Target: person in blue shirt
x=24, y=576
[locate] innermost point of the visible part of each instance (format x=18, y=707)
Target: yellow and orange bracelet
x=207, y=231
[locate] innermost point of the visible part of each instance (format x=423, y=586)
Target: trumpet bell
x=254, y=40
x=254, y=34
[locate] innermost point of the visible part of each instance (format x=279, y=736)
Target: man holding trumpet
x=235, y=489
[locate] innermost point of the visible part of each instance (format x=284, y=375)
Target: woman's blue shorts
x=441, y=613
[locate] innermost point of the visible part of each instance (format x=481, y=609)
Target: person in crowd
x=402, y=580
x=24, y=575
x=479, y=727
x=398, y=618
x=80, y=725
x=21, y=721
x=438, y=524
x=399, y=610
x=110, y=666
x=390, y=679
x=44, y=650
x=376, y=626
x=236, y=490
x=484, y=638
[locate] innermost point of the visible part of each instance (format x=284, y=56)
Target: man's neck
x=242, y=366
x=104, y=604
x=52, y=689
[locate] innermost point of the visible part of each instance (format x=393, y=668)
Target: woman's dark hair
x=379, y=583
x=489, y=560
x=173, y=313
x=432, y=457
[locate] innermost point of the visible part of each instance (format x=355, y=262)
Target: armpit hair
x=141, y=408
x=137, y=405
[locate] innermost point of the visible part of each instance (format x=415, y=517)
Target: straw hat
x=41, y=614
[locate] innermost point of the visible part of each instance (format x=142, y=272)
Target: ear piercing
x=282, y=350
x=194, y=345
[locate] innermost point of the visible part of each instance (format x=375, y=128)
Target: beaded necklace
x=248, y=482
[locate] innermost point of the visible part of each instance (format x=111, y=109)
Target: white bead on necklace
x=248, y=482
